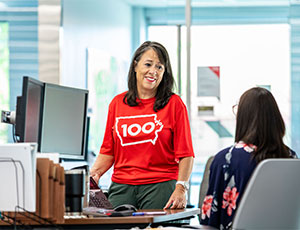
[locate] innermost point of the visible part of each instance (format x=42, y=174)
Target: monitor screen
x=29, y=108
x=64, y=121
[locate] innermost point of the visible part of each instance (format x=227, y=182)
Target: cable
x=16, y=140
x=13, y=133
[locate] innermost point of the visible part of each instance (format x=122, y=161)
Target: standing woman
x=259, y=135
x=147, y=137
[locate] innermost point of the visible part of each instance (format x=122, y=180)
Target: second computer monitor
x=29, y=108
x=64, y=121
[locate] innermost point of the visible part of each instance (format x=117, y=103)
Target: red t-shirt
x=146, y=145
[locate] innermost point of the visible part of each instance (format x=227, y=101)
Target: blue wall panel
x=22, y=18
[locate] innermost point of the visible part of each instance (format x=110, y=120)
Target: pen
x=138, y=213
x=148, y=213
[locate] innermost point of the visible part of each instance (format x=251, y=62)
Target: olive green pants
x=146, y=196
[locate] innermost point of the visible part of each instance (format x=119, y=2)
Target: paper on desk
x=94, y=211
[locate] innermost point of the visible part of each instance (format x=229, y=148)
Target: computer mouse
x=125, y=207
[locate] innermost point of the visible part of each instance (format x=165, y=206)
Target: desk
x=129, y=221
x=124, y=222
x=171, y=215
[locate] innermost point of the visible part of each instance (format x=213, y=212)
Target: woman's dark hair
x=165, y=88
x=260, y=123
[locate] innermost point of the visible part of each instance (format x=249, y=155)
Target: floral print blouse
x=229, y=174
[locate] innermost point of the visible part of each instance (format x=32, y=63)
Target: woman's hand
x=177, y=199
x=101, y=165
x=93, y=173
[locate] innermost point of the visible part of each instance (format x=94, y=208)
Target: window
x=4, y=77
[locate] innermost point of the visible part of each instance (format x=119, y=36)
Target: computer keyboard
x=98, y=199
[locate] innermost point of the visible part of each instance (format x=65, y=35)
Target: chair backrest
x=272, y=197
x=205, y=180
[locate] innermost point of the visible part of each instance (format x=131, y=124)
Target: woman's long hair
x=260, y=123
x=164, y=89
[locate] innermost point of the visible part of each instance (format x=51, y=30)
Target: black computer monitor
x=29, y=110
x=64, y=121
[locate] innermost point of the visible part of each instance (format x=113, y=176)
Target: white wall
x=100, y=24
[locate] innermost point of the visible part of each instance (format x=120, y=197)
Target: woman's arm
x=178, y=198
x=101, y=165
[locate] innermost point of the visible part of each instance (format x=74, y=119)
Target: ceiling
x=206, y=3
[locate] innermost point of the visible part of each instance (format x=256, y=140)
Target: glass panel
x=4, y=78
x=245, y=57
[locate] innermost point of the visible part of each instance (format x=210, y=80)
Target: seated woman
x=259, y=135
